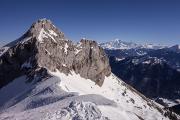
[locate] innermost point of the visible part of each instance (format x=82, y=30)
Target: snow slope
x=129, y=103
x=69, y=97
x=14, y=88
x=46, y=100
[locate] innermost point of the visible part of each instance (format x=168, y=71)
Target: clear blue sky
x=152, y=21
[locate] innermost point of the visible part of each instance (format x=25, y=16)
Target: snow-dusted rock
x=47, y=47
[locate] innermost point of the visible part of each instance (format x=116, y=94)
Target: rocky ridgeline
x=44, y=46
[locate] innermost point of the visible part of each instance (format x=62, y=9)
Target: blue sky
x=141, y=21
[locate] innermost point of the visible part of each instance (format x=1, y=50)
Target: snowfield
x=71, y=97
x=129, y=103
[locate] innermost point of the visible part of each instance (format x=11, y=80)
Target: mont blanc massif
x=45, y=76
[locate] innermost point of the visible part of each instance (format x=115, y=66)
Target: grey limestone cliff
x=43, y=47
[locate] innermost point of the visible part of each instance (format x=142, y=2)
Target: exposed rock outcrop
x=44, y=46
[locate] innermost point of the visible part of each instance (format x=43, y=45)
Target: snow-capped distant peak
x=119, y=44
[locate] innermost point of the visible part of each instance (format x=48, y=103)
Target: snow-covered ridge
x=129, y=103
x=70, y=96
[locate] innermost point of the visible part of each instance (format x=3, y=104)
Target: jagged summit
x=44, y=46
x=42, y=23
x=45, y=25
x=41, y=30
x=44, y=29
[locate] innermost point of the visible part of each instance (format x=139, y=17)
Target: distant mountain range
x=153, y=70
x=119, y=44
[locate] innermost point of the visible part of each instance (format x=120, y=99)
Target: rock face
x=44, y=46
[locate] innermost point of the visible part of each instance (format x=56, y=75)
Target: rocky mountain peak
x=44, y=28
x=44, y=47
x=89, y=43
x=40, y=31
x=42, y=23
